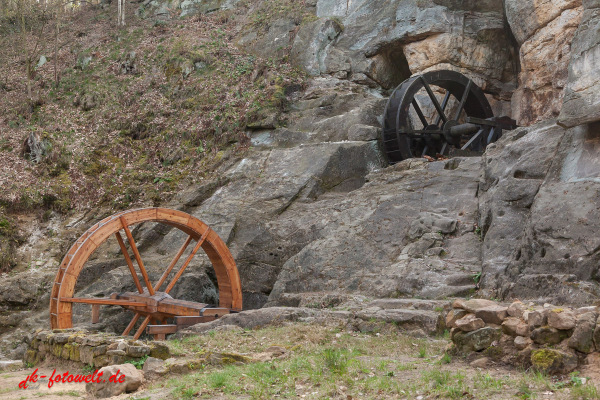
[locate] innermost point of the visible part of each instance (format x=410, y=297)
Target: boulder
x=132, y=380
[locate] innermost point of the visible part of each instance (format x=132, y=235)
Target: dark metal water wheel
x=409, y=131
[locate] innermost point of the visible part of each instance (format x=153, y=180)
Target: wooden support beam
x=185, y=321
x=131, y=325
x=140, y=330
x=110, y=302
x=95, y=313
x=215, y=312
x=157, y=329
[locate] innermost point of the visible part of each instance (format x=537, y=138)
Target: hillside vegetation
x=138, y=112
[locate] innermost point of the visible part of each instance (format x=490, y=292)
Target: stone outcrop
x=537, y=209
x=556, y=348
x=582, y=93
x=543, y=31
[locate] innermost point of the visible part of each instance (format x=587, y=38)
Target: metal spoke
x=444, y=104
x=419, y=113
x=136, y=253
x=187, y=261
x=131, y=324
x=475, y=136
x=434, y=100
x=136, y=280
x=170, y=267
x=463, y=100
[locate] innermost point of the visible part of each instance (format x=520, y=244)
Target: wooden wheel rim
x=228, y=280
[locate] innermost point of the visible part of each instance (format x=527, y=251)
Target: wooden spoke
x=419, y=113
x=444, y=104
x=463, y=100
x=165, y=275
x=187, y=261
x=136, y=280
x=434, y=100
x=109, y=302
x=140, y=330
x=131, y=324
x=136, y=254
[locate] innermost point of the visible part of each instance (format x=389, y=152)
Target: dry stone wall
x=94, y=349
x=552, y=339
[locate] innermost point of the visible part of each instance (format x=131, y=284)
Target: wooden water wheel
x=151, y=302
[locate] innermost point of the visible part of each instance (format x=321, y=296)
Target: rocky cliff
x=312, y=209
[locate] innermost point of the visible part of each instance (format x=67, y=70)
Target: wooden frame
x=149, y=301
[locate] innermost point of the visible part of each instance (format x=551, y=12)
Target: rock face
x=544, y=31
x=538, y=205
x=582, y=93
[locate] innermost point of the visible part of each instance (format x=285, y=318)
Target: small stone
x=522, y=342
x=547, y=335
x=515, y=327
x=115, y=353
x=133, y=380
x=492, y=314
x=516, y=309
x=582, y=338
x=480, y=362
x=454, y=315
x=469, y=323
x=563, y=319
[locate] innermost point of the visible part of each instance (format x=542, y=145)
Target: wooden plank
x=184, y=321
x=95, y=313
x=137, y=256
x=156, y=329
x=112, y=302
x=216, y=312
x=136, y=280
